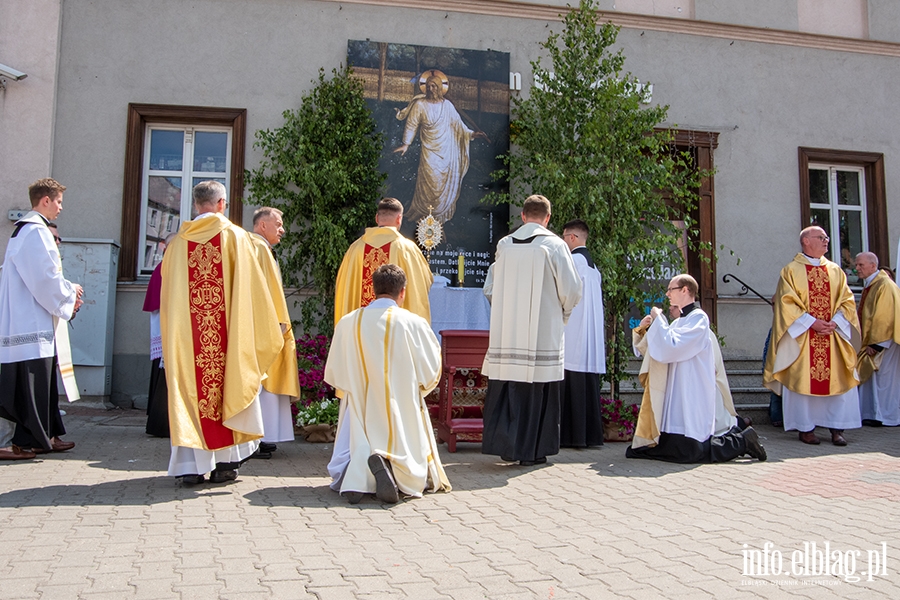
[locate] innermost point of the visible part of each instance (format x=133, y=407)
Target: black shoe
x=385, y=486
x=260, y=454
x=192, y=479
x=267, y=447
x=871, y=423
x=507, y=459
x=354, y=497
x=222, y=476
x=530, y=463
x=753, y=447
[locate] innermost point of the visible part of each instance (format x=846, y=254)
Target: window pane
x=848, y=188
x=851, y=243
x=163, y=218
x=210, y=150
x=166, y=150
x=822, y=218
x=818, y=186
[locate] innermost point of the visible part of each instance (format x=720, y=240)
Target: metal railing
x=744, y=287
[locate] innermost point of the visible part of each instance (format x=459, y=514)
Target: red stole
x=209, y=328
x=372, y=259
x=819, y=345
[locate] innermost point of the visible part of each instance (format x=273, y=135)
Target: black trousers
x=521, y=420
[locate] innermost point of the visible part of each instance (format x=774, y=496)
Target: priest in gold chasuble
x=879, y=358
x=281, y=386
x=815, y=338
x=220, y=334
x=378, y=246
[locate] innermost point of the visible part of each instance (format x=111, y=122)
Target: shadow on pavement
x=127, y=492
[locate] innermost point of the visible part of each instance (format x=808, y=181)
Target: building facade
x=128, y=103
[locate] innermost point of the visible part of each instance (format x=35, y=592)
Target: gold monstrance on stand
x=429, y=233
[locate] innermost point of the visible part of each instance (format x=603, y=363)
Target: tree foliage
x=584, y=140
x=321, y=169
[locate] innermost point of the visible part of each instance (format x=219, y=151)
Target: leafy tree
x=585, y=140
x=321, y=169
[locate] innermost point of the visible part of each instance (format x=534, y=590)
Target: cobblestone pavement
x=104, y=521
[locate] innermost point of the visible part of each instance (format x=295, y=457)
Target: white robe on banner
x=385, y=360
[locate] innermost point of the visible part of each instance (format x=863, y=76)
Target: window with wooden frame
x=169, y=149
x=843, y=192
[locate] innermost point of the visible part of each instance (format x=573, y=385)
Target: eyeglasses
x=58, y=239
x=672, y=289
x=824, y=238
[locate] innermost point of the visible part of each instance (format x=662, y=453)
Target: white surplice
x=533, y=287
x=385, y=360
x=690, y=399
x=585, y=340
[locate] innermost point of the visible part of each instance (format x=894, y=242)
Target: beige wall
x=844, y=18
x=29, y=42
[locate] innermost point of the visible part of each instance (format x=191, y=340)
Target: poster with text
x=445, y=116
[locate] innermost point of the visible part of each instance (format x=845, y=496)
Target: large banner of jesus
x=445, y=116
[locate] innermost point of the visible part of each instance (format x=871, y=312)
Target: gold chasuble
x=379, y=246
x=879, y=319
x=282, y=377
x=812, y=364
x=220, y=334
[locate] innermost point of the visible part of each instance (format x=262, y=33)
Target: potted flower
x=619, y=419
x=318, y=419
x=316, y=411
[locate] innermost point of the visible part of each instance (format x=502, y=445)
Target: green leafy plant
x=321, y=412
x=321, y=169
x=585, y=139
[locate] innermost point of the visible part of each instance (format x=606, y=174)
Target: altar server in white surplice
x=684, y=382
x=581, y=424
x=385, y=360
x=36, y=301
x=533, y=287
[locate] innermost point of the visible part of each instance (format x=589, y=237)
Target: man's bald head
x=814, y=241
x=866, y=264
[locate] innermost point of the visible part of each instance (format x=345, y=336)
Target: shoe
x=872, y=423
x=192, y=479
x=777, y=423
x=809, y=437
x=222, y=476
x=507, y=459
x=837, y=437
x=56, y=445
x=267, y=447
x=385, y=486
x=530, y=463
x=354, y=497
x=747, y=422
x=260, y=454
x=16, y=453
x=754, y=448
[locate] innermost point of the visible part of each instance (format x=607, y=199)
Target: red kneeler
x=462, y=387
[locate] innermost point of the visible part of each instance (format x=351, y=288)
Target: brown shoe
x=809, y=437
x=15, y=453
x=837, y=437
x=56, y=445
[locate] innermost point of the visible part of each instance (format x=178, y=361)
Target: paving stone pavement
x=104, y=521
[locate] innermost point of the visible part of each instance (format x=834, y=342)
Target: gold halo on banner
x=445, y=83
x=429, y=232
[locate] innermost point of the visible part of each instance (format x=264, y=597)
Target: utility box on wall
x=93, y=264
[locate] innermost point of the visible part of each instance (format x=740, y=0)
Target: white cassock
x=385, y=360
x=879, y=397
x=585, y=342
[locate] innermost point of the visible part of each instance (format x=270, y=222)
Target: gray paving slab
x=104, y=521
